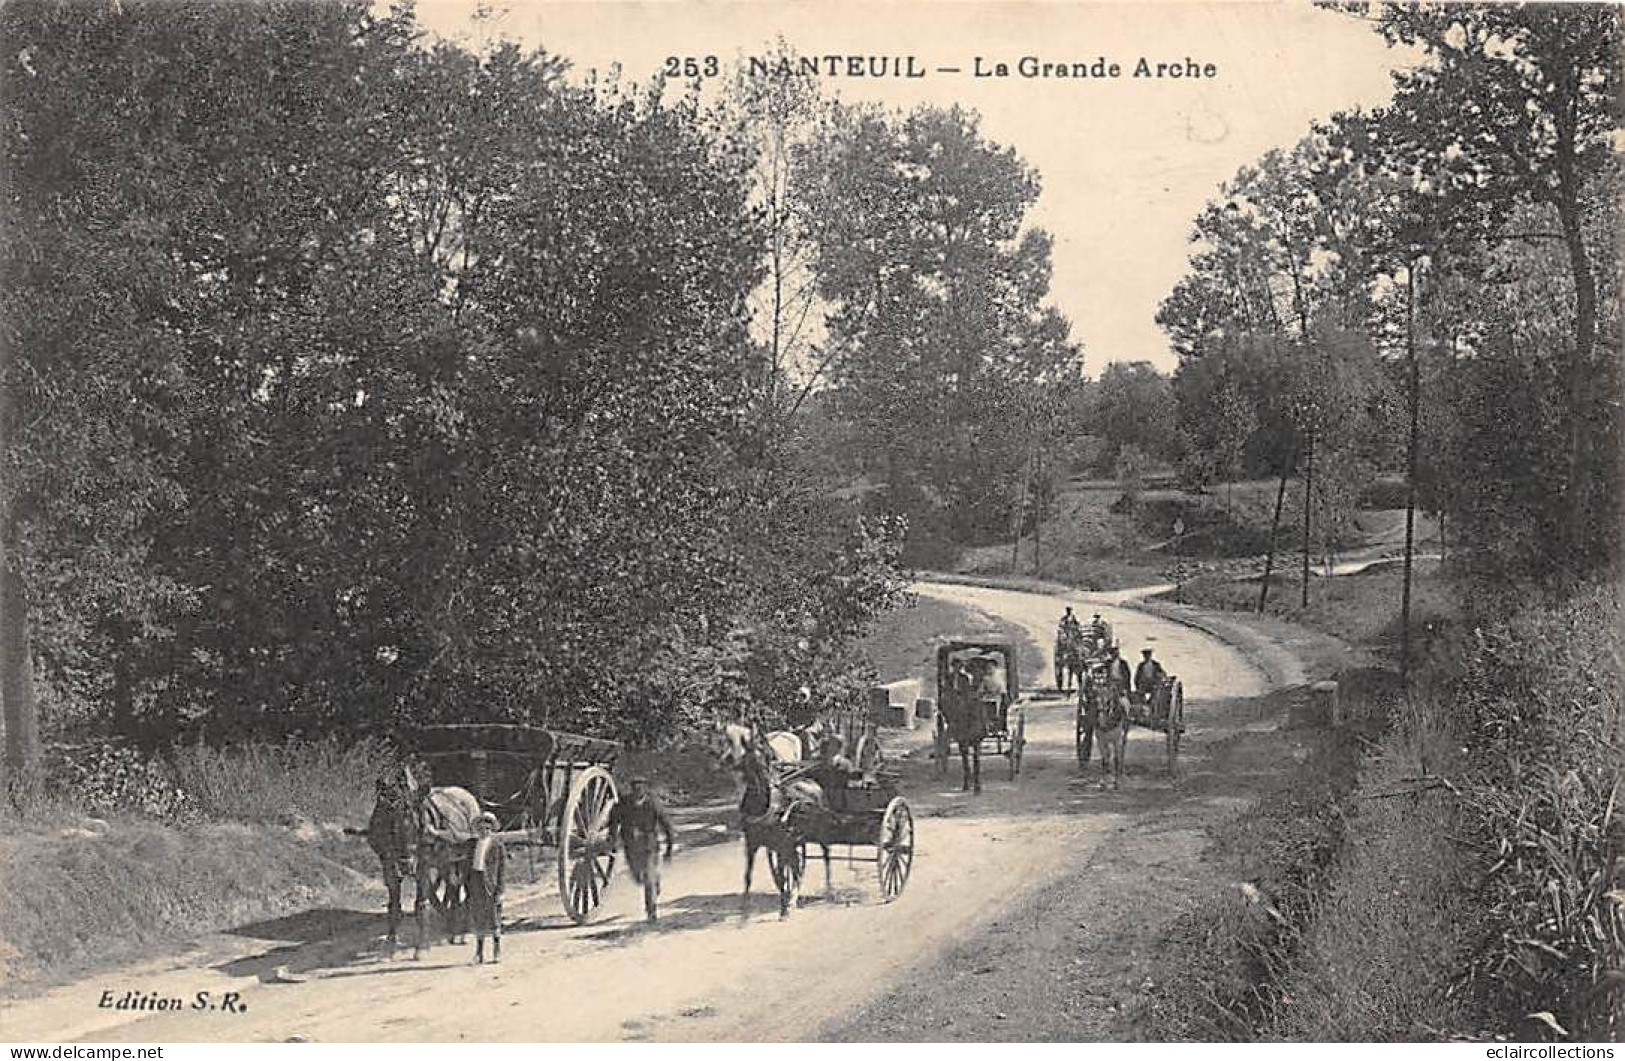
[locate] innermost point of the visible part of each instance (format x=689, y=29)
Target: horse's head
x=731, y=742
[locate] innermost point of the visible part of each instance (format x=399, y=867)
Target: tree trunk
x=1585, y=333
x=1410, y=475
x=16, y=670
x=1275, y=525
x=1308, y=492
x=17, y=707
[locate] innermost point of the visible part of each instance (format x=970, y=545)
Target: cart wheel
x=894, y=853
x=1176, y=720
x=940, y=743
x=586, y=856
x=787, y=874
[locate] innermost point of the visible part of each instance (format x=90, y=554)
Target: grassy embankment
x=1446, y=865
x=134, y=860
x=1092, y=543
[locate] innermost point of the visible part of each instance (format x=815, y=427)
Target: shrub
x=325, y=780
x=106, y=777
x=1385, y=493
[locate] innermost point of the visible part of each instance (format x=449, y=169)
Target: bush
x=1384, y=493
x=324, y=780
x=108, y=778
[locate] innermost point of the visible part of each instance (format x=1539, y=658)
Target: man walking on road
x=634, y=823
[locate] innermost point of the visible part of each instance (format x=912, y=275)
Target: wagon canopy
x=500, y=738
x=1002, y=653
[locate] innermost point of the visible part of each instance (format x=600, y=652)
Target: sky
x=1125, y=163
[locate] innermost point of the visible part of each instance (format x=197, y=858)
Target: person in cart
x=637, y=823
x=1148, y=677
x=1117, y=672
x=1101, y=631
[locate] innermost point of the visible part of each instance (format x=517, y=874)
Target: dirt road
x=707, y=972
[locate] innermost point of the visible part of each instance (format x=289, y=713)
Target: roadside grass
x=108, y=890
x=1220, y=967
x=1389, y=935
x=1362, y=609
x=1458, y=876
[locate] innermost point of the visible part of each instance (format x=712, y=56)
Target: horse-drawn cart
x=545, y=787
x=978, y=697
x=866, y=811
x=1163, y=711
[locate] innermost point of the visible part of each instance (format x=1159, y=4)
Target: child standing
x=485, y=887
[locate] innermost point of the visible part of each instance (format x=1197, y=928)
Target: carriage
x=547, y=789
x=1162, y=711
x=1004, y=730
x=864, y=811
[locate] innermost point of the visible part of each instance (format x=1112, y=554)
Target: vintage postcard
x=793, y=522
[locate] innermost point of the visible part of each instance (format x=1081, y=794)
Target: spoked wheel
x=586, y=856
x=940, y=747
x=1176, y=720
x=895, y=852
x=787, y=872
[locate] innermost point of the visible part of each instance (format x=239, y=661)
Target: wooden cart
x=547, y=788
x=866, y=812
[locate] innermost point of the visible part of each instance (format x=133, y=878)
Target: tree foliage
x=358, y=380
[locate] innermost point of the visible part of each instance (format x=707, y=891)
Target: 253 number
x=692, y=66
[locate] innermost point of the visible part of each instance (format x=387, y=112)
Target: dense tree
x=415, y=384
x=935, y=294
x=1134, y=406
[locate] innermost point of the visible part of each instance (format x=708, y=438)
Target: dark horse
x=964, y=719
x=1070, y=662
x=774, y=816
x=424, y=833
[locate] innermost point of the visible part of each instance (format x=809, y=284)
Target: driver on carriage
x=1100, y=630
x=1117, y=672
x=1148, y=676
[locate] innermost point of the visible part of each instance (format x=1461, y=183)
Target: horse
x=965, y=721
x=1111, y=730
x=1070, y=662
x=419, y=831
x=773, y=815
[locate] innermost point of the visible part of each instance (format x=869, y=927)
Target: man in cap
x=1117, y=672
x=634, y=823
x=1100, y=630
x=1148, y=676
